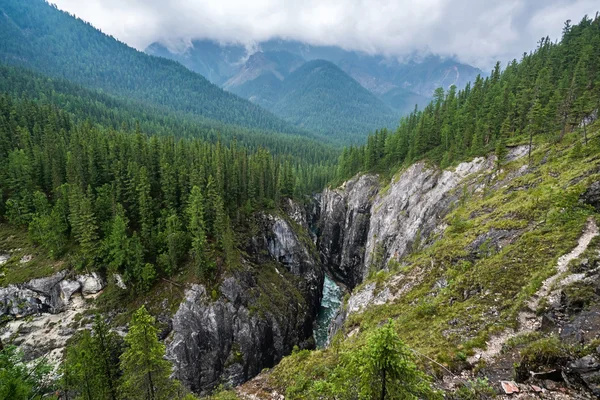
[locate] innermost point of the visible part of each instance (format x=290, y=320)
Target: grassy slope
x=543, y=204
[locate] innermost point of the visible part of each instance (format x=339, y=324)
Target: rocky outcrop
x=363, y=228
x=592, y=195
x=412, y=209
x=345, y=216
x=46, y=295
x=257, y=315
x=53, y=307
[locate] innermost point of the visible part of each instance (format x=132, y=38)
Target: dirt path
x=528, y=321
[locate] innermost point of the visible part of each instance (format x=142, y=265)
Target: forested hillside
x=112, y=112
x=350, y=109
x=36, y=35
x=92, y=185
x=550, y=91
x=487, y=270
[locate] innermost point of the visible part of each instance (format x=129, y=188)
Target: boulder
x=91, y=283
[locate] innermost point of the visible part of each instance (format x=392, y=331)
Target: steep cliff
x=259, y=313
x=343, y=224
x=226, y=332
x=490, y=273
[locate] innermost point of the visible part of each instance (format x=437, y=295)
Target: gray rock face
x=411, y=210
x=345, y=215
x=264, y=309
x=585, y=370
x=45, y=295
x=91, y=284
x=363, y=228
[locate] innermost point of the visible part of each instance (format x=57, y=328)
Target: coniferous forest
x=136, y=181
x=554, y=88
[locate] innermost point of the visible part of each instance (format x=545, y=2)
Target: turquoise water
x=330, y=303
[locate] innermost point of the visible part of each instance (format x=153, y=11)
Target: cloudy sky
x=478, y=32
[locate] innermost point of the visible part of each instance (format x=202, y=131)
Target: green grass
x=15, y=242
x=485, y=292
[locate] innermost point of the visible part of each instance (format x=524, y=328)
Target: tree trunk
x=151, y=385
x=530, y=143
x=383, y=388
x=585, y=132
x=564, y=128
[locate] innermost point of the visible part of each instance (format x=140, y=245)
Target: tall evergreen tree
x=145, y=372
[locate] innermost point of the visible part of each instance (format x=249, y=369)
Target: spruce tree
x=386, y=369
x=106, y=350
x=145, y=372
x=197, y=229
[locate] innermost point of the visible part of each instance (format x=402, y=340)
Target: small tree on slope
x=145, y=372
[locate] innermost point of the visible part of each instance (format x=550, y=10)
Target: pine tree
x=106, y=351
x=20, y=380
x=145, y=372
x=116, y=244
x=215, y=212
x=197, y=229
x=386, y=369
x=176, y=243
x=80, y=368
x=84, y=226
x=145, y=209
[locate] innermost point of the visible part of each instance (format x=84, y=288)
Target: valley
x=293, y=220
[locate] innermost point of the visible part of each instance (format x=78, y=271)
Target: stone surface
x=254, y=322
x=412, y=208
x=46, y=295
x=119, y=281
x=509, y=387
x=91, y=283
x=345, y=215
x=592, y=195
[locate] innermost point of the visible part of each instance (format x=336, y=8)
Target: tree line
x=139, y=205
x=555, y=88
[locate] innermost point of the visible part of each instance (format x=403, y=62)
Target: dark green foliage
x=553, y=88
x=324, y=99
x=197, y=227
x=98, y=365
x=121, y=199
x=19, y=380
x=90, y=369
x=37, y=35
x=145, y=372
x=117, y=113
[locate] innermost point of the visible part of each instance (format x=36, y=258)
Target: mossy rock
x=541, y=355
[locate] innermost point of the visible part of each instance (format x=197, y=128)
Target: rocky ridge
x=44, y=313
x=257, y=318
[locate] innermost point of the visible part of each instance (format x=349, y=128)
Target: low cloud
x=475, y=31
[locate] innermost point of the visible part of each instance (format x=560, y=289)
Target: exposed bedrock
x=257, y=314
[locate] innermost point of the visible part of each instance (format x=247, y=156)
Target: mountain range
x=288, y=84
x=400, y=84
x=38, y=36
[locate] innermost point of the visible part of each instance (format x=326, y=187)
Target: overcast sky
x=478, y=32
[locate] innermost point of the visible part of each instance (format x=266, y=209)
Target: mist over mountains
x=387, y=89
